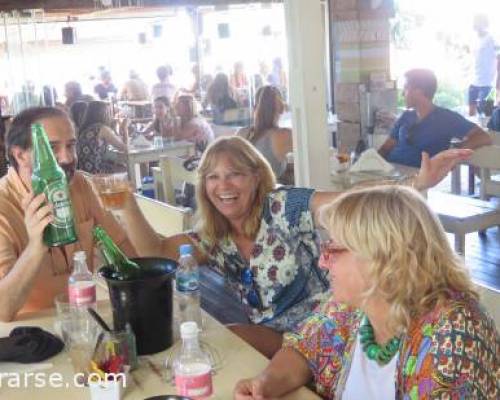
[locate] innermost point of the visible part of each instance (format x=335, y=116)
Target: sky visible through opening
x=438, y=34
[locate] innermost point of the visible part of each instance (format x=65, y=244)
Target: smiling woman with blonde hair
x=244, y=158
x=404, y=321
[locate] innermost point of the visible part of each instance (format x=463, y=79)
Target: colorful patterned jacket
x=450, y=353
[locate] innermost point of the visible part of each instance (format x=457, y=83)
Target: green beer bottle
x=49, y=178
x=125, y=269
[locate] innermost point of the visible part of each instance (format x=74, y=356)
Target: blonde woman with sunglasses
x=404, y=321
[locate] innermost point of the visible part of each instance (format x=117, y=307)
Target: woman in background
x=94, y=136
x=265, y=134
x=163, y=122
x=221, y=97
x=192, y=127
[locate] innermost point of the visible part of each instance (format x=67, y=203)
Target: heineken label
x=58, y=196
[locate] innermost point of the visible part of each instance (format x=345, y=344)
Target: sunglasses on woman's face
x=329, y=251
x=252, y=295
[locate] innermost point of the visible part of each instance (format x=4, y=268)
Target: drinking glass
x=79, y=334
x=158, y=142
x=112, y=188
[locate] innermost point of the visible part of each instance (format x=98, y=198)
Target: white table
x=239, y=360
x=136, y=156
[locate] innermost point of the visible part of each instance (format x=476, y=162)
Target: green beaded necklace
x=381, y=354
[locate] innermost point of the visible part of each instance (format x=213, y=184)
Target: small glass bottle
x=192, y=368
x=81, y=284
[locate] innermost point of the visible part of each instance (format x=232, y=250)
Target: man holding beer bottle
x=31, y=273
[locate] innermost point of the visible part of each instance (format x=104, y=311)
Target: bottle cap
x=185, y=249
x=79, y=256
x=189, y=329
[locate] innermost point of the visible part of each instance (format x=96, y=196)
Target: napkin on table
x=141, y=141
x=370, y=160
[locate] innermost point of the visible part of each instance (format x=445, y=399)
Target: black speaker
x=68, y=35
x=223, y=30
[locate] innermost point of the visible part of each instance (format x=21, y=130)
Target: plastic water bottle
x=187, y=285
x=192, y=368
x=81, y=284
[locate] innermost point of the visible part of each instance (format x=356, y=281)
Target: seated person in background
x=163, y=123
x=427, y=127
x=265, y=134
x=164, y=88
x=192, y=128
x=94, y=136
x=404, y=320
x=134, y=89
x=221, y=97
x=105, y=88
x=30, y=273
x=73, y=93
x=262, y=239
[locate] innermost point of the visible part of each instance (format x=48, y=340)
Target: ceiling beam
x=57, y=5
x=8, y=5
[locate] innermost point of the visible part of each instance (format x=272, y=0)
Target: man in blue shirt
x=425, y=127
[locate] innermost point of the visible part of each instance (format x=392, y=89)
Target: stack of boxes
x=361, y=34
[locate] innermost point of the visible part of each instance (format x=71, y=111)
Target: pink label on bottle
x=81, y=295
x=195, y=386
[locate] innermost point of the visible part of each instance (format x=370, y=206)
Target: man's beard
x=69, y=170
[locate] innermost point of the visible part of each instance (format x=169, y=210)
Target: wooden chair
x=165, y=219
x=172, y=173
x=487, y=158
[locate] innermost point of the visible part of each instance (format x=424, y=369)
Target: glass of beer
x=113, y=189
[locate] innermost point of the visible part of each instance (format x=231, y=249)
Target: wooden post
x=306, y=53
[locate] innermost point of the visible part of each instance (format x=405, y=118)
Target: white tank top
x=368, y=380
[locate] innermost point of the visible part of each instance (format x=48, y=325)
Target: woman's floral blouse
x=284, y=262
x=450, y=353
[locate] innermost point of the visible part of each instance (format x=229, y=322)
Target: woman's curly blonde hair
x=411, y=264
x=211, y=224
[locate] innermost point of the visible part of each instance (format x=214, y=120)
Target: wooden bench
x=461, y=215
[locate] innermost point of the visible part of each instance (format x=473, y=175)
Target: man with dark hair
x=31, y=274
x=426, y=127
